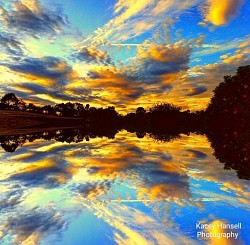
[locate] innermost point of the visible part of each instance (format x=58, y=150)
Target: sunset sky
x=122, y=53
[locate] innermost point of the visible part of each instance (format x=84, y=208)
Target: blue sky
x=123, y=53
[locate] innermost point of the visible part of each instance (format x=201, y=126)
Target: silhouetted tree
x=59, y=109
x=165, y=107
x=10, y=101
x=140, y=110
x=231, y=98
x=48, y=109
x=79, y=110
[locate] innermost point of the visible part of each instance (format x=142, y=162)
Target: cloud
x=44, y=80
x=51, y=68
x=195, y=87
x=30, y=226
x=133, y=18
x=220, y=12
x=192, y=91
x=132, y=226
x=196, y=154
x=221, y=46
x=160, y=68
x=11, y=199
x=210, y=75
x=55, y=94
x=156, y=70
x=93, y=55
x=44, y=173
x=115, y=163
x=9, y=44
x=165, y=182
x=244, y=44
x=93, y=189
x=31, y=18
x=119, y=85
x=159, y=177
x=157, y=60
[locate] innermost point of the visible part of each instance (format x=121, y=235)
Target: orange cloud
x=220, y=12
x=163, y=53
x=90, y=54
x=113, y=84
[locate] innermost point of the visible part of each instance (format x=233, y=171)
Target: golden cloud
x=33, y=5
x=220, y=12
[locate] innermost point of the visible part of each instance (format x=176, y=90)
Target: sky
x=123, y=53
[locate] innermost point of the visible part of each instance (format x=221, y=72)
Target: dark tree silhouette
x=165, y=107
x=140, y=110
x=10, y=100
x=228, y=120
x=231, y=98
x=31, y=107
x=48, y=109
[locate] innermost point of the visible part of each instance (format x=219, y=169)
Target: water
x=125, y=190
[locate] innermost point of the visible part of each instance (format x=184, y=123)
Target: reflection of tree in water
x=232, y=148
x=165, y=137
x=11, y=143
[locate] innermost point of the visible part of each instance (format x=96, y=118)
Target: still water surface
x=119, y=191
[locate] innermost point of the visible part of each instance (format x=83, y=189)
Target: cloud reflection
x=118, y=174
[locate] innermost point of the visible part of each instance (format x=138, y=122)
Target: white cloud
x=134, y=17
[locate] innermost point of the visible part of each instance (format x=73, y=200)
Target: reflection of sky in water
x=117, y=191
